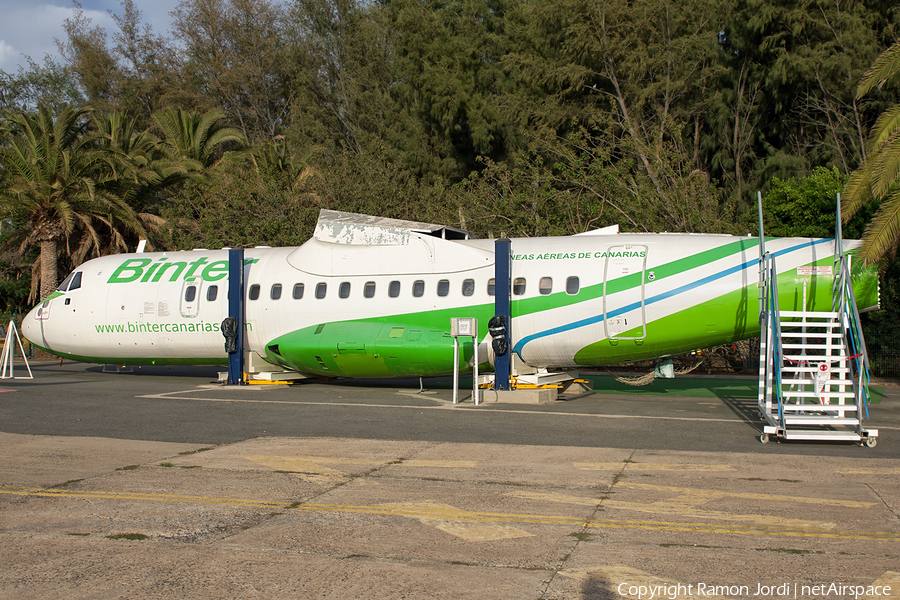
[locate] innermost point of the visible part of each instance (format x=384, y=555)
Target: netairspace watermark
x=779, y=590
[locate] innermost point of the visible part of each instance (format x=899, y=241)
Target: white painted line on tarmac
x=173, y=396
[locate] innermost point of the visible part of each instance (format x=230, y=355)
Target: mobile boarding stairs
x=814, y=371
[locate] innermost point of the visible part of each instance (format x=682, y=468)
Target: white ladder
x=818, y=396
x=813, y=368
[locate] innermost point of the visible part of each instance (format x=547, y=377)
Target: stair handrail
x=857, y=338
x=842, y=295
x=777, y=358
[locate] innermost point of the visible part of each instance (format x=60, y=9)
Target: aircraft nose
x=31, y=326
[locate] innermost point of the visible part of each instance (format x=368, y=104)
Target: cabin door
x=190, y=297
x=624, y=315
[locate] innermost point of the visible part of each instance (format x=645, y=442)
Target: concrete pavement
x=350, y=518
x=160, y=485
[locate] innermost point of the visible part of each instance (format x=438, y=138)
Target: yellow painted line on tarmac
x=454, y=521
x=637, y=466
x=449, y=513
x=442, y=464
x=698, y=496
x=689, y=510
x=138, y=496
x=344, y=460
x=682, y=506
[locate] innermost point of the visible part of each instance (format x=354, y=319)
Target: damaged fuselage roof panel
x=339, y=227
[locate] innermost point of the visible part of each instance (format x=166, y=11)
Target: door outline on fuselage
x=611, y=260
x=190, y=309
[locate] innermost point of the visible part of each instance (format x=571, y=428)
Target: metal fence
x=884, y=358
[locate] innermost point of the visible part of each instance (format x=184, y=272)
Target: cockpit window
x=76, y=281
x=65, y=284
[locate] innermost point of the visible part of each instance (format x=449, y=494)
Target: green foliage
x=238, y=207
x=15, y=281
x=370, y=184
x=557, y=116
x=807, y=207
x=58, y=188
x=786, y=103
x=881, y=326
x=879, y=177
x=199, y=138
x=141, y=72
x=236, y=54
x=49, y=84
x=572, y=185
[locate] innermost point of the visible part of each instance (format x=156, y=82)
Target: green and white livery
x=372, y=297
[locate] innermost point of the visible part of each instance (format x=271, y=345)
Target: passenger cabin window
x=298, y=291
x=344, y=289
x=76, y=281
x=443, y=287
x=490, y=286
x=519, y=286
x=572, y=286
x=321, y=288
x=545, y=286
x=369, y=289
x=418, y=288
x=468, y=287
x=190, y=293
x=212, y=292
x=394, y=289
x=275, y=292
x=254, y=292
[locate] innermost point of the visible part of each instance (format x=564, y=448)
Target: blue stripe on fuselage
x=658, y=298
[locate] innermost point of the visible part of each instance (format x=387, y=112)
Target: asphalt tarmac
x=163, y=484
x=185, y=404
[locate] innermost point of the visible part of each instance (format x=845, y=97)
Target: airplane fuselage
x=339, y=308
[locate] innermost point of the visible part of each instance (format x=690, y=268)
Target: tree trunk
x=48, y=267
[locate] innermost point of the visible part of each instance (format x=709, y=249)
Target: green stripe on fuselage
x=620, y=284
x=728, y=318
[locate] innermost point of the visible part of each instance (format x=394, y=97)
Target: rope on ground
x=635, y=381
x=687, y=370
x=649, y=377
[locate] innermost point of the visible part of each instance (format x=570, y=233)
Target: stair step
x=800, y=314
x=850, y=436
x=812, y=346
x=819, y=420
x=810, y=367
x=811, y=336
x=812, y=394
x=807, y=382
x=838, y=409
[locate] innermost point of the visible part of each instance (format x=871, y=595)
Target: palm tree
x=192, y=136
x=878, y=177
x=151, y=167
x=278, y=158
x=57, y=188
